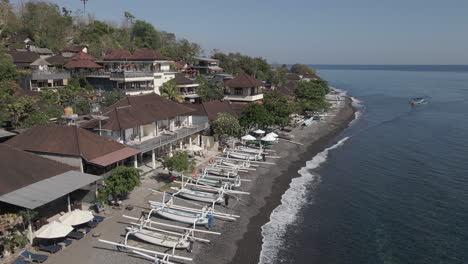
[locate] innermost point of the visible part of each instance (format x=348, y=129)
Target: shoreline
x=241, y=241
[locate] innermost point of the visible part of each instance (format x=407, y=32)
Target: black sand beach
x=241, y=241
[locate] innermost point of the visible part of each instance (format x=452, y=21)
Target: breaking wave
x=291, y=202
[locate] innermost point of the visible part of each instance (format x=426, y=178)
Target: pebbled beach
x=241, y=241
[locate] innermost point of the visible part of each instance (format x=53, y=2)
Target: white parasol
x=76, y=217
x=248, y=138
x=259, y=131
x=269, y=138
x=272, y=134
x=53, y=230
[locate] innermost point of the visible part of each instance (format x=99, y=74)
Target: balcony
x=243, y=98
x=42, y=75
x=131, y=76
x=167, y=138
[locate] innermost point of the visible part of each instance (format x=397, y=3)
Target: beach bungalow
x=83, y=150
x=82, y=63
x=32, y=182
x=207, y=66
x=187, y=88
x=243, y=88
x=150, y=124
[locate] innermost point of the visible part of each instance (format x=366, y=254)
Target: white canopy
x=269, y=138
x=194, y=148
x=53, y=230
x=259, y=131
x=248, y=138
x=76, y=217
x=272, y=134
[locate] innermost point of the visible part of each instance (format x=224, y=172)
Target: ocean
x=393, y=188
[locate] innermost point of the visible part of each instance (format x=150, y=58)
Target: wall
x=69, y=160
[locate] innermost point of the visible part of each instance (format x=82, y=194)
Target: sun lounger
x=34, y=257
x=21, y=260
x=98, y=218
x=65, y=242
x=92, y=224
x=75, y=235
x=49, y=248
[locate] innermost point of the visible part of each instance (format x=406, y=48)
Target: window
x=238, y=91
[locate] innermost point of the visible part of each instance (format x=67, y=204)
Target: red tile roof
x=74, y=48
x=180, y=79
x=243, y=80
x=213, y=108
x=82, y=60
x=68, y=140
x=119, y=54
x=148, y=54
x=138, y=110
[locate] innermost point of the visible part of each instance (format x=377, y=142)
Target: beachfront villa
x=243, y=88
x=76, y=147
x=150, y=124
x=141, y=72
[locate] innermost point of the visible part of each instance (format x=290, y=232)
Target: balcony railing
x=131, y=75
x=164, y=139
x=244, y=98
x=38, y=75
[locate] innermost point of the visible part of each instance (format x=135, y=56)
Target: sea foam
x=291, y=203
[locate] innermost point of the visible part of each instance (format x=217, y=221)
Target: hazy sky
x=309, y=31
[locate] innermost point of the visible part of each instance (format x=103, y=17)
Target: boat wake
x=291, y=203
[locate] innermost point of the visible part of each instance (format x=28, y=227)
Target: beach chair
x=84, y=230
x=65, y=242
x=75, y=235
x=49, y=248
x=98, y=218
x=21, y=260
x=92, y=224
x=32, y=257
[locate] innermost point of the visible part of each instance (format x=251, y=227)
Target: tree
x=209, y=91
x=279, y=107
x=7, y=68
x=278, y=76
x=226, y=124
x=19, y=109
x=169, y=90
x=255, y=115
x=311, y=95
x=180, y=162
x=145, y=35
x=111, y=97
x=121, y=181
x=235, y=63
x=301, y=69
x=129, y=17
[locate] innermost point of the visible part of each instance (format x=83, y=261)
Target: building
x=207, y=66
x=142, y=72
x=83, y=150
x=211, y=109
x=288, y=90
x=71, y=50
x=151, y=124
x=310, y=77
x=32, y=182
x=82, y=63
x=243, y=88
x=187, y=88
x=42, y=74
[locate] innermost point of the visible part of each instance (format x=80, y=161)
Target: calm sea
x=394, y=187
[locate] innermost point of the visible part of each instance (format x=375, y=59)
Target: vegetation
x=13, y=231
x=278, y=107
x=180, y=162
x=310, y=95
x=226, y=125
x=209, y=91
x=301, y=69
x=255, y=116
x=121, y=181
x=169, y=90
x=110, y=97
x=235, y=63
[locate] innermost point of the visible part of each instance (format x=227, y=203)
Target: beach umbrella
x=248, y=138
x=53, y=230
x=259, y=131
x=76, y=217
x=269, y=138
x=272, y=134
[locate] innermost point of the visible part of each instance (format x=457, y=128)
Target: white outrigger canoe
x=243, y=156
x=226, y=172
x=192, y=218
x=160, y=239
x=198, y=195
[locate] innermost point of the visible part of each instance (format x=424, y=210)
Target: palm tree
x=169, y=90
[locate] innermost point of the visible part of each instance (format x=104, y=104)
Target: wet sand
x=241, y=241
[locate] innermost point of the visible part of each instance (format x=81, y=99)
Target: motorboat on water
x=418, y=101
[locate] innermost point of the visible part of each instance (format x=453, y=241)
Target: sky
x=308, y=31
